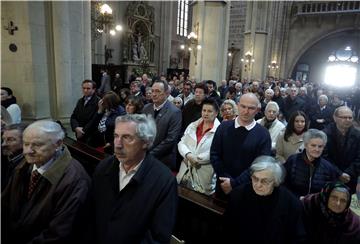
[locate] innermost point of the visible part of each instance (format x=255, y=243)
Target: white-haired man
x=135, y=195
x=46, y=197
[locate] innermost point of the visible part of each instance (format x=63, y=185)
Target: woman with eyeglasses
x=263, y=211
x=307, y=172
x=228, y=110
x=328, y=218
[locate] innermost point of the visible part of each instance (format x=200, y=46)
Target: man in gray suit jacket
x=168, y=122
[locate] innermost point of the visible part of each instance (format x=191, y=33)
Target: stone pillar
x=212, y=20
x=166, y=26
x=256, y=40
x=52, y=59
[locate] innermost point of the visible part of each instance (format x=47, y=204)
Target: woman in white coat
x=196, y=171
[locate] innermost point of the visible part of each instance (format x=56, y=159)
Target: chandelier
x=104, y=21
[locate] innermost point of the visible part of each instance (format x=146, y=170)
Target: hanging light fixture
x=104, y=20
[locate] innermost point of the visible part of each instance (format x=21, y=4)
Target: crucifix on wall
x=11, y=28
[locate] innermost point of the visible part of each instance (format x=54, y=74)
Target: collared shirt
x=248, y=127
x=42, y=169
x=124, y=178
x=159, y=107
x=87, y=99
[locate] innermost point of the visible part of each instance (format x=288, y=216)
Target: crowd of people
x=284, y=154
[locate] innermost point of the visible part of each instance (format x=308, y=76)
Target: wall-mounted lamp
x=192, y=43
x=103, y=20
x=248, y=60
x=273, y=65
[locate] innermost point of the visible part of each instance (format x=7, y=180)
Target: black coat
x=82, y=115
x=303, y=178
x=144, y=210
x=250, y=218
x=346, y=158
x=316, y=113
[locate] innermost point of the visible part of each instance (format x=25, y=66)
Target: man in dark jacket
x=11, y=151
x=168, y=123
x=343, y=146
x=45, y=199
x=84, y=111
x=134, y=194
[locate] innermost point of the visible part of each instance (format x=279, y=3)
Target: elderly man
x=343, y=146
x=271, y=123
x=46, y=196
x=292, y=103
x=11, y=151
x=168, y=122
x=237, y=143
x=85, y=110
x=135, y=195
x=321, y=114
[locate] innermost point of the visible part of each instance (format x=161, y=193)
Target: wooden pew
x=199, y=218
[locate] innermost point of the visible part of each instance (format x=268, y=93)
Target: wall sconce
x=248, y=60
x=192, y=43
x=344, y=55
x=273, y=65
x=104, y=20
x=232, y=51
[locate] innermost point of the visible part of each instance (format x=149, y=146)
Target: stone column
x=166, y=26
x=212, y=20
x=52, y=59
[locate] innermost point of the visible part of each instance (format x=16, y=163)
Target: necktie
x=35, y=176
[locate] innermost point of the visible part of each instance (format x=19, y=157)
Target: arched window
x=182, y=18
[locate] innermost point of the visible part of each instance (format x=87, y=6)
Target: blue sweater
x=233, y=150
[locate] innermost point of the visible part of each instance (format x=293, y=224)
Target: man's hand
x=345, y=178
x=79, y=132
x=225, y=184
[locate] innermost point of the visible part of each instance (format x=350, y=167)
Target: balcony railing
x=338, y=7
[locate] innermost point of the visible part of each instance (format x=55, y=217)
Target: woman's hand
x=192, y=159
x=100, y=106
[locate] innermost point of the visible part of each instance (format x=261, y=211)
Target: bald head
x=248, y=107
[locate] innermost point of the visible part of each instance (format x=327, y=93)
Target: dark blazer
x=346, y=158
x=317, y=113
x=143, y=212
x=168, y=125
x=82, y=115
x=100, y=139
x=56, y=211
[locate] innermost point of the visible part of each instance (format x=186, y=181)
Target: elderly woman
x=263, y=211
x=290, y=141
x=270, y=122
x=133, y=104
x=308, y=172
x=228, y=110
x=328, y=218
x=104, y=122
x=195, y=149
x=178, y=102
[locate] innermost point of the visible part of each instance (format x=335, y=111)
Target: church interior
x=48, y=48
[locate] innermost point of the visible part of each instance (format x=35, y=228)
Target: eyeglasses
x=264, y=181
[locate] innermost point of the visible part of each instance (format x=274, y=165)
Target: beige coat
x=284, y=149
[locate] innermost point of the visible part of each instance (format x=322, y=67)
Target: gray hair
x=324, y=97
x=178, y=99
x=269, y=90
x=49, y=127
x=232, y=104
x=272, y=104
x=313, y=134
x=145, y=126
x=269, y=163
